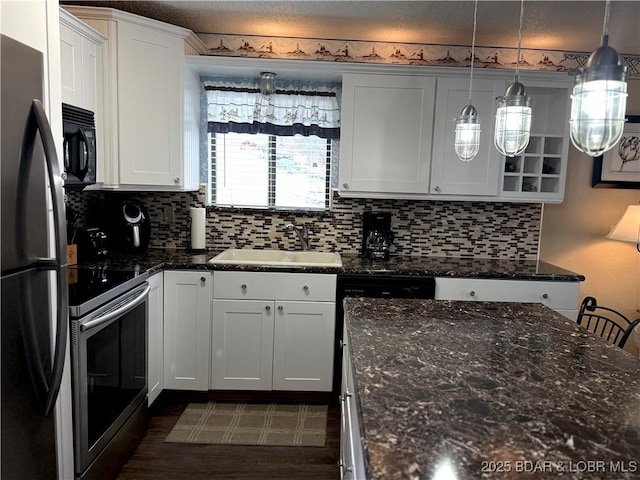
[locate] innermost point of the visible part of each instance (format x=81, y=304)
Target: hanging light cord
x=519, y=39
x=473, y=48
x=605, y=25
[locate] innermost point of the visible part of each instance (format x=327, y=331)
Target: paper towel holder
x=197, y=230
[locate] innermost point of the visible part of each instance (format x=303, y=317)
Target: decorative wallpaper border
x=398, y=53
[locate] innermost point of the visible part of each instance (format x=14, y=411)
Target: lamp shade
x=513, y=121
x=628, y=227
x=267, y=83
x=467, y=135
x=598, y=102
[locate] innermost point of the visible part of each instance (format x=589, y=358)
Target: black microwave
x=79, y=147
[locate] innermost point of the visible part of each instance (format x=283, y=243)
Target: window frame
x=271, y=177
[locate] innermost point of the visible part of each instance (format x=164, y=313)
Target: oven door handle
x=140, y=296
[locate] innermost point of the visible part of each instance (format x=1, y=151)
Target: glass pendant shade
x=467, y=137
x=513, y=121
x=267, y=83
x=598, y=103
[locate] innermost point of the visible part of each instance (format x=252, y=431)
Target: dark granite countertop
x=157, y=259
x=488, y=387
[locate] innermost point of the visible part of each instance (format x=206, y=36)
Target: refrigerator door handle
x=38, y=123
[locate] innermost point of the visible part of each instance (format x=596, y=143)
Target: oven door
x=109, y=358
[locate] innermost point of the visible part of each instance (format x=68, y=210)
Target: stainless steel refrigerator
x=34, y=283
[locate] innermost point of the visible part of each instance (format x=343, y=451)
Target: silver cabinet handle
x=472, y=293
x=545, y=295
x=305, y=288
x=345, y=186
x=437, y=188
x=280, y=308
x=176, y=180
x=203, y=279
x=267, y=308
x=243, y=286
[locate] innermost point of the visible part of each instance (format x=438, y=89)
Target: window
x=271, y=152
x=270, y=171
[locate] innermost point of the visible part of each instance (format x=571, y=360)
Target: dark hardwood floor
x=155, y=459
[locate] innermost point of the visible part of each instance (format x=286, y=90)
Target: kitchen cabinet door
x=449, y=175
x=187, y=329
x=80, y=62
x=155, y=364
x=386, y=134
x=242, y=344
x=303, y=346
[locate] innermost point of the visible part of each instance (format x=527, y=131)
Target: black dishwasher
x=374, y=285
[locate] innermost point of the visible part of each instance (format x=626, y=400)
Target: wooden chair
x=614, y=327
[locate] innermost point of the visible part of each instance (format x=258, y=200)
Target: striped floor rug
x=277, y=424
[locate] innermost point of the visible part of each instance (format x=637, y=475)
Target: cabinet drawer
x=275, y=286
x=556, y=295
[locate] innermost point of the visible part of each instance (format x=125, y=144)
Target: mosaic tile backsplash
x=421, y=227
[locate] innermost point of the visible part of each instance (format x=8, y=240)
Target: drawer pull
x=472, y=293
x=280, y=308
x=243, y=286
x=545, y=295
x=203, y=279
x=267, y=308
x=306, y=288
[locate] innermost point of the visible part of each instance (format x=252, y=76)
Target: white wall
x=573, y=233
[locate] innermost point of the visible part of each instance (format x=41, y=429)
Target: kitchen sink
x=251, y=256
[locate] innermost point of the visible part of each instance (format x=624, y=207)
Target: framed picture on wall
x=620, y=166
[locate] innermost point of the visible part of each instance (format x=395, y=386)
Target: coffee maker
x=377, y=236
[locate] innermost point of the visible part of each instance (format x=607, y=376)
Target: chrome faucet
x=302, y=232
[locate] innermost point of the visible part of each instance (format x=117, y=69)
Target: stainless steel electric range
x=109, y=317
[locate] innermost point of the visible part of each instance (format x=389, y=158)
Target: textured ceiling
x=550, y=25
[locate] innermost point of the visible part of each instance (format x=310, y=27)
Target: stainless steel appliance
x=377, y=236
x=109, y=359
x=34, y=284
x=79, y=147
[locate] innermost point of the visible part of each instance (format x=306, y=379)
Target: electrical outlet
x=169, y=214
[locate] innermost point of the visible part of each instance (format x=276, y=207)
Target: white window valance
x=285, y=113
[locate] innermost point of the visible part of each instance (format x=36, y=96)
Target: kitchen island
x=488, y=390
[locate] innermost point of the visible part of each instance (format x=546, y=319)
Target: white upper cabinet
x=80, y=62
x=385, y=140
x=449, y=175
x=398, y=131
x=150, y=103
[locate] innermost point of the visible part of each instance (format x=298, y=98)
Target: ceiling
x=549, y=25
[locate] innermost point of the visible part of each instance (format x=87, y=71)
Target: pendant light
x=267, y=83
x=467, y=137
x=599, y=99
x=513, y=117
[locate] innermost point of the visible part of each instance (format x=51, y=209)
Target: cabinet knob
x=545, y=295
x=203, y=279
x=243, y=286
x=305, y=288
x=347, y=394
x=280, y=308
x=267, y=308
x=176, y=180
x=437, y=188
x=472, y=293
x=343, y=344
x=345, y=186
x=63, y=175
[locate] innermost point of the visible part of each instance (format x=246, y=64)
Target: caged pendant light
x=513, y=117
x=467, y=136
x=599, y=99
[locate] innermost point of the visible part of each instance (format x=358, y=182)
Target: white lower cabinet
x=563, y=297
x=187, y=329
x=155, y=368
x=273, y=331
x=242, y=344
